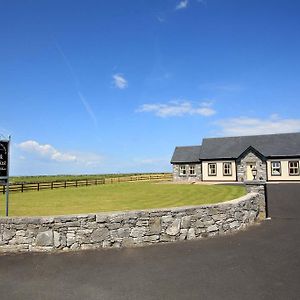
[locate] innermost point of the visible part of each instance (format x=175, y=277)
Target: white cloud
x=152, y=160
x=46, y=151
x=50, y=153
x=119, y=81
x=252, y=126
x=182, y=4
x=178, y=109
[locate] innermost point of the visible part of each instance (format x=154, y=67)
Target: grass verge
x=117, y=197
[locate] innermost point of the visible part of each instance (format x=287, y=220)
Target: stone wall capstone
x=130, y=228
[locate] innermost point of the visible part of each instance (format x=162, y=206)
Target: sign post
x=4, y=169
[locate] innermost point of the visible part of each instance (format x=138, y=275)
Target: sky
x=90, y=87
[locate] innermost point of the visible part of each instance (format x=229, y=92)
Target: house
x=273, y=157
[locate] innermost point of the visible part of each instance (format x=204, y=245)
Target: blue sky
x=114, y=86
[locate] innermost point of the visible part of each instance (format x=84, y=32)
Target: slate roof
x=269, y=145
x=186, y=154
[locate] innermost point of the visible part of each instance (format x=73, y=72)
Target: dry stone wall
x=126, y=229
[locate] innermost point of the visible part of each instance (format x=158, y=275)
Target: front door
x=250, y=166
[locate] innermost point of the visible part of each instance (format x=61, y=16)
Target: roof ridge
x=188, y=146
x=253, y=135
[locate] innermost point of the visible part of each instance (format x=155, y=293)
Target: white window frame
x=192, y=170
x=210, y=169
x=227, y=167
x=182, y=170
x=294, y=165
x=275, y=167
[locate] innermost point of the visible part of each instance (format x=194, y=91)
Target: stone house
x=275, y=157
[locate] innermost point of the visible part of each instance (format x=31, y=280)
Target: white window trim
x=181, y=169
x=209, y=169
x=297, y=168
x=229, y=168
x=274, y=168
x=192, y=167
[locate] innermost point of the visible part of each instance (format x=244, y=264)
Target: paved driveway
x=260, y=263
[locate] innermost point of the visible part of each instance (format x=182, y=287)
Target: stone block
x=123, y=232
x=186, y=222
x=101, y=218
x=137, y=232
x=212, y=228
x=151, y=238
x=100, y=234
x=191, y=234
x=8, y=234
x=44, y=238
x=174, y=228
x=154, y=225
x=56, y=240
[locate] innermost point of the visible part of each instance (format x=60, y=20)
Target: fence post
x=22, y=187
x=38, y=186
x=65, y=184
x=76, y=182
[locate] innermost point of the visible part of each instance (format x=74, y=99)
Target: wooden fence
x=38, y=186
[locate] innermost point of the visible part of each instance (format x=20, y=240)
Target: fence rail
x=38, y=186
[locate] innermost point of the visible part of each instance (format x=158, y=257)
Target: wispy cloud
x=178, y=109
x=160, y=18
x=46, y=151
x=221, y=87
x=249, y=126
x=76, y=82
x=152, y=160
x=182, y=4
x=88, y=108
x=119, y=81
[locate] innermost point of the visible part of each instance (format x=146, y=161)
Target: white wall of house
x=284, y=173
x=220, y=176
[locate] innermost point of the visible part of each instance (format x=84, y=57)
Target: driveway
x=262, y=262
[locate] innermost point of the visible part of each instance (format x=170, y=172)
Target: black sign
x=4, y=158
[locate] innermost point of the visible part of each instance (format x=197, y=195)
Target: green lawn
x=112, y=197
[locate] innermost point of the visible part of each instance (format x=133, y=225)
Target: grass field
x=49, y=178
x=112, y=197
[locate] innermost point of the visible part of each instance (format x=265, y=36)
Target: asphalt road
x=262, y=262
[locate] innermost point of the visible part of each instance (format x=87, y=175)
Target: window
x=227, y=170
x=275, y=168
x=293, y=168
x=182, y=171
x=212, y=169
x=192, y=170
